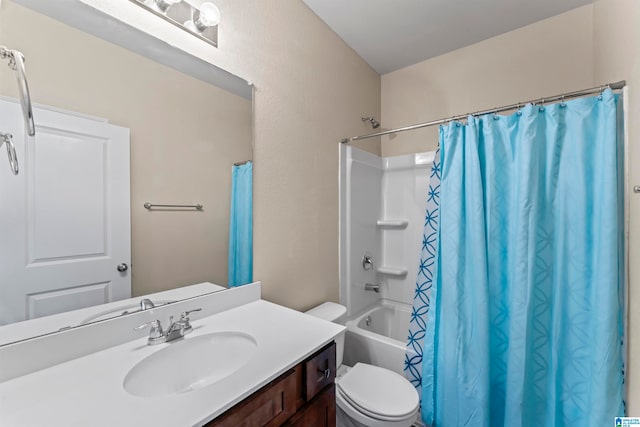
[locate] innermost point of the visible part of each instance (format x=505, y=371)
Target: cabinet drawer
x=270, y=406
x=319, y=371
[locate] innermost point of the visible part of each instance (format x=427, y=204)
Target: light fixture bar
x=181, y=14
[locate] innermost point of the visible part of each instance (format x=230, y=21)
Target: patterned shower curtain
x=525, y=315
x=424, y=281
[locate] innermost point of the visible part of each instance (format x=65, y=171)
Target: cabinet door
x=320, y=412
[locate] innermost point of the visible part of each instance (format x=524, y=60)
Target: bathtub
x=378, y=336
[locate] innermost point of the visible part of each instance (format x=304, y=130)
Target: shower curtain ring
x=541, y=108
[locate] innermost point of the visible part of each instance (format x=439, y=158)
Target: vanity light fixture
x=162, y=5
x=208, y=15
x=201, y=21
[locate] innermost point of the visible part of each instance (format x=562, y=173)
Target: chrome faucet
x=175, y=330
x=372, y=287
x=146, y=304
x=180, y=328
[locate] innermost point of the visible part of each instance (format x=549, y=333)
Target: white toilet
x=368, y=395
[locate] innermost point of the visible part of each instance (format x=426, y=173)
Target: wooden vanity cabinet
x=320, y=412
x=302, y=396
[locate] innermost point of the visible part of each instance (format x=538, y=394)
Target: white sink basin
x=190, y=364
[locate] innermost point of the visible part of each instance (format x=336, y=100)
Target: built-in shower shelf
x=397, y=224
x=392, y=271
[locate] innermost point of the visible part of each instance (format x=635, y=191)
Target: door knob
x=122, y=267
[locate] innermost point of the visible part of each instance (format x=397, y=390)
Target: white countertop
x=89, y=390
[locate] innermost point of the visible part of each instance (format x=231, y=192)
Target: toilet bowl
x=368, y=395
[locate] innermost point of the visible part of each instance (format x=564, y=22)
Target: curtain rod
x=538, y=101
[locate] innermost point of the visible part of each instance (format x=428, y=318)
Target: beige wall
x=545, y=58
x=185, y=135
x=311, y=91
x=617, y=57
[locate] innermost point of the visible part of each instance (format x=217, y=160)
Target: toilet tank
x=336, y=313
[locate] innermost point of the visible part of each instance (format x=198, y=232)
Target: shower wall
x=404, y=198
x=382, y=206
x=360, y=203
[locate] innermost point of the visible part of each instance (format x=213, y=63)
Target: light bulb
x=163, y=5
x=208, y=16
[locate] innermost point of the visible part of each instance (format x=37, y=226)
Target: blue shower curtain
x=241, y=226
x=526, y=319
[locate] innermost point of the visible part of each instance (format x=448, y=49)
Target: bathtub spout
x=372, y=287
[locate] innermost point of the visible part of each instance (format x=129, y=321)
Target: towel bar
x=150, y=206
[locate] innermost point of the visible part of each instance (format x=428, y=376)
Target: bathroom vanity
x=247, y=362
x=303, y=396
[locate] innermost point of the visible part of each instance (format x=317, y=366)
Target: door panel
x=65, y=219
x=58, y=197
x=56, y=301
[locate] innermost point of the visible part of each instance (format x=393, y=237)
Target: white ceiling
x=392, y=34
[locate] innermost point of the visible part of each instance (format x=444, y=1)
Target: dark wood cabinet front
x=303, y=396
x=319, y=371
x=320, y=412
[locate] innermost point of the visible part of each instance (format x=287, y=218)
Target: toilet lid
x=379, y=391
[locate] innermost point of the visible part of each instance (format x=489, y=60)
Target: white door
x=65, y=218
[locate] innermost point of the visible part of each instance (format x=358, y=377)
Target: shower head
x=374, y=123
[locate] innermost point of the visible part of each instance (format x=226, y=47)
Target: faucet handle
x=156, y=334
x=185, y=314
x=185, y=322
x=154, y=324
x=367, y=261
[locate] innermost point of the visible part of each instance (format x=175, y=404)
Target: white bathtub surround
x=378, y=336
x=382, y=205
x=404, y=196
x=360, y=209
x=89, y=390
